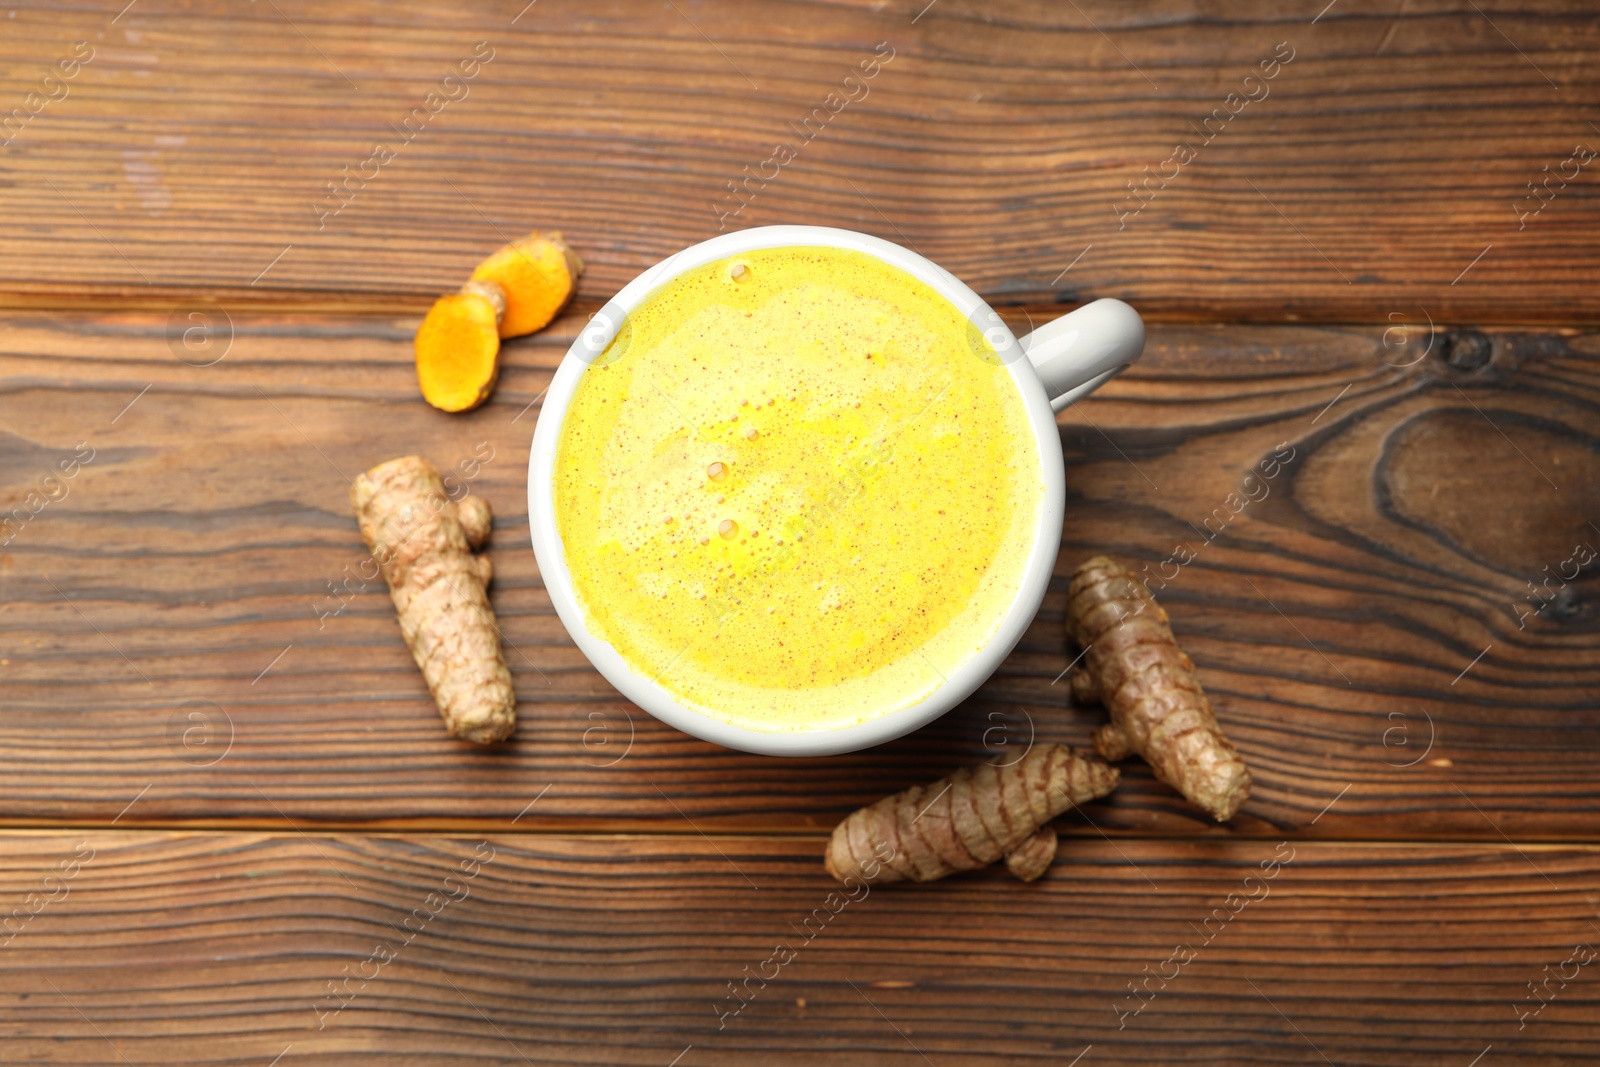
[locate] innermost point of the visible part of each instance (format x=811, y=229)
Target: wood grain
x=213, y=949
x=1357, y=624
x=1384, y=168
x=220, y=772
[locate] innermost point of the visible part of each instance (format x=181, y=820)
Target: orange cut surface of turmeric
x=539, y=274
x=458, y=351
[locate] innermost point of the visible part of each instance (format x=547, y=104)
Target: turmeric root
x=517, y=290
x=1029, y=860
x=1133, y=665
x=968, y=820
x=424, y=543
x=538, y=275
x=458, y=347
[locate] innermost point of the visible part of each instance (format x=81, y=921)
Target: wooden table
x=229, y=808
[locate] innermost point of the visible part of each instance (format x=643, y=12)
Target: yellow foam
x=797, y=490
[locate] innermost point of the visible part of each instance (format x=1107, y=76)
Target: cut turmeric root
x=424, y=543
x=517, y=290
x=968, y=820
x=1133, y=665
x=458, y=348
x=538, y=274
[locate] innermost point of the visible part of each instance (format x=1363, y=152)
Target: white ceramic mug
x=1056, y=364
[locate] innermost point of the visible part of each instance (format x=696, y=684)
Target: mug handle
x=1081, y=351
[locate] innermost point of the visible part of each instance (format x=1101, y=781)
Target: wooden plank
x=1357, y=624
x=170, y=948
x=1372, y=174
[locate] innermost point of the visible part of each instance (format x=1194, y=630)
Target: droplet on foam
x=716, y=472
x=728, y=529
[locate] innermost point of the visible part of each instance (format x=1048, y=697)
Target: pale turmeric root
x=1029, y=860
x=1133, y=665
x=517, y=290
x=968, y=820
x=424, y=545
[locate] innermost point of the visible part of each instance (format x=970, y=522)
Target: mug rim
x=656, y=699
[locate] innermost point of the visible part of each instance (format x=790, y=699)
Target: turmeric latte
x=797, y=490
